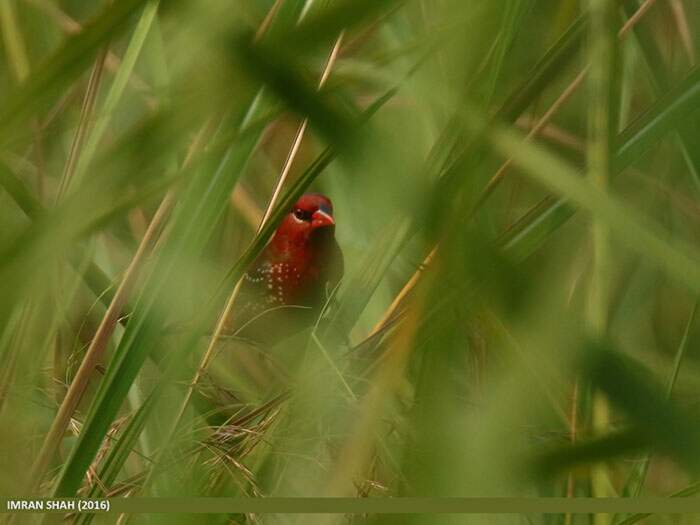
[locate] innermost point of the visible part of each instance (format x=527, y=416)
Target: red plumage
x=285, y=289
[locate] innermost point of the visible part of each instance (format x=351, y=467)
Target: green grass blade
x=655, y=421
x=635, y=484
x=14, y=43
x=199, y=210
x=116, y=90
x=50, y=77
x=662, y=81
x=529, y=233
x=681, y=261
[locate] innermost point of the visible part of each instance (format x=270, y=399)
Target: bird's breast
x=282, y=279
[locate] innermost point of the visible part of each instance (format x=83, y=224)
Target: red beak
x=320, y=219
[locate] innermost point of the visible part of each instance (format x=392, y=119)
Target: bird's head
x=310, y=219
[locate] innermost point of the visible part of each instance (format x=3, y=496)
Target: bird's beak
x=321, y=219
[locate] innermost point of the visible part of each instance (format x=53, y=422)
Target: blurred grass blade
x=50, y=77
x=635, y=484
x=267, y=64
x=662, y=82
x=678, y=259
x=634, y=390
x=19, y=192
x=655, y=422
x=363, y=284
x=602, y=121
x=118, y=86
x=588, y=452
x=95, y=279
x=14, y=43
x=515, y=12
x=545, y=72
x=669, y=113
x=533, y=229
x=321, y=27
x=53, y=233
x=200, y=207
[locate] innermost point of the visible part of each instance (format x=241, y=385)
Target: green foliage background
x=516, y=188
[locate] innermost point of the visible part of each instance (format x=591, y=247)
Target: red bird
x=286, y=287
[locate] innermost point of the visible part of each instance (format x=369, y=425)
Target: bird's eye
x=301, y=215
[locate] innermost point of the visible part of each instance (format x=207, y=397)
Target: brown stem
x=104, y=332
x=84, y=124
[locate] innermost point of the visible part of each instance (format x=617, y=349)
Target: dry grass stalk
x=104, y=332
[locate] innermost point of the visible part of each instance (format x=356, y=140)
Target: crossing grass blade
x=192, y=226
x=48, y=79
x=666, y=114
x=655, y=421
x=662, y=81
